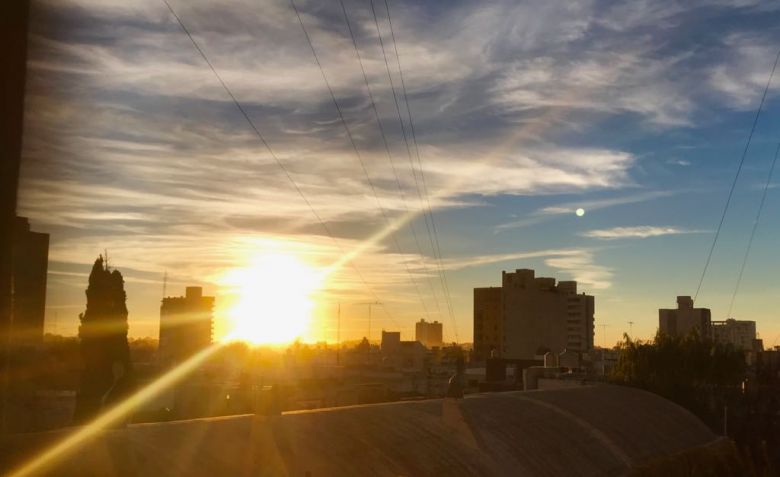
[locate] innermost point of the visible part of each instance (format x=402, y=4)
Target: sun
x=273, y=299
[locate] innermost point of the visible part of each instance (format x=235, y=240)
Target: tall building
x=684, y=319
x=30, y=264
x=488, y=322
x=529, y=316
x=429, y=334
x=185, y=325
x=740, y=333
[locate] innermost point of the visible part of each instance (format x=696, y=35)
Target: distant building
x=529, y=316
x=684, y=319
x=391, y=341
x=185, y=325
x=429, y=334
x=410, y=355
x=30, y=266
x=741, y=334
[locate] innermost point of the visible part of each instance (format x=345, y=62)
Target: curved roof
x=589, y=430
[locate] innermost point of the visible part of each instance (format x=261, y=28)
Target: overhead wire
x=753, y=231
x=387, y=148
x=356, y=150
x=736, y=178
x=430, y=216
x=271, y=152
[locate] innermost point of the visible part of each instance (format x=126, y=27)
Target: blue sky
x=523, y=112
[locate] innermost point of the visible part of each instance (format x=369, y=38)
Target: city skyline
x=637, y=117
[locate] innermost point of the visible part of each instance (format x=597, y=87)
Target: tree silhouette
x=692, y=371
x=107, y=372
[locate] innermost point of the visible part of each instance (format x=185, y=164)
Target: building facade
x=528, y=316
x=741, y=334
x=684, y=319
x=30, y=263
x=402, y=355
x=185, y=325
x=429, y=334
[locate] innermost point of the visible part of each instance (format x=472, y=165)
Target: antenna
x=165, y=284
x=630, y=328
x=369, y=304
x=105, y=255
x=604, y=333
x=338, y=336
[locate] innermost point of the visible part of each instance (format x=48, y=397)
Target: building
x=529, y=316
x=684, y=319
x=391, y=341
x=30, y=266
x=185, y=325
x=741, y=334
x=429, y=334
x=488, y=322
x=402, y=355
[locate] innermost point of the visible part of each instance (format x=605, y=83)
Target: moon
x=580, y=212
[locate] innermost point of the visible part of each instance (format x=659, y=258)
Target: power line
x=753, y=232
x=386, y=145
x=437, y=248
x=281, y=165
x=736, y=177
x=355, y=148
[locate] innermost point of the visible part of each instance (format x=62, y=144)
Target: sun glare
x=272, y=299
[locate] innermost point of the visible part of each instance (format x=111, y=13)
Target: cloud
x=459, y=263
x=641, y=231
x=551, y=211
x=743, y=70
x=131, y=142
x=581, y=267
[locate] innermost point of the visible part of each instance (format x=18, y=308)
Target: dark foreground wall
x=599, y=430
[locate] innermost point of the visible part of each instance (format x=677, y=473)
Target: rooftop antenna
x=165, y=284
x=369, y=304
x=338, y=336
x=630, y=328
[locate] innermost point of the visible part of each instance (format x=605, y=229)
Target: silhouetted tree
x=692, y=371
x=106, y=373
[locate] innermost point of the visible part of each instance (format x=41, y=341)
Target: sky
x=523, y=112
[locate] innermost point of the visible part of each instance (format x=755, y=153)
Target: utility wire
x=437, y=248
x=736, y=177
x=281, y=165
x=753, y=232
x=387, y=149
x=357, y=151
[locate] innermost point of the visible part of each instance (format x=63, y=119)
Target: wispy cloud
x=582, y=267
x=551, y=211
x=479, y=260
x=641, y=231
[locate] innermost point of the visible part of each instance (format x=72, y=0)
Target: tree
x=692, y=371
x=107, y=371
